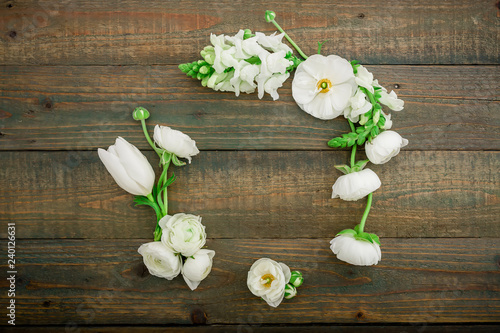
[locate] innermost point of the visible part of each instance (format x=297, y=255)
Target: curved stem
x=146, y=134
x=165, y=191
x=365, y=214
x=289, y=39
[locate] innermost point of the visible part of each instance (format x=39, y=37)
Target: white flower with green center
x=183, y=233
x=323, y=86
x=268, y=279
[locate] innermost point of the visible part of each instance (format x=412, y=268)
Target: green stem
x=353, y=153
x=365, y=214
x=146, y=134
x=165, y=191
x=289, y=39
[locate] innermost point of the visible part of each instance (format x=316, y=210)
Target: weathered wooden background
x=71, y=72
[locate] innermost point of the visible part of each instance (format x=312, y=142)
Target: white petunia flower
x=322, y=86
x=355, y=252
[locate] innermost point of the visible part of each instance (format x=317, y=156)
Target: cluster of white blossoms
x=327, y=87
x=179, y=239
x=243, y=63
x=183, y=236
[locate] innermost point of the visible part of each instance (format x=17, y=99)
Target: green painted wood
x=99, y=282
x=86, y=32
x=80, y=107
x=254, y=194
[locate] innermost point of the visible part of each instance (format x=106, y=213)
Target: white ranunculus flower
x=267, y=279
x=359, y=105
x=355, y=252
x=322, y=86
x=391, y=101
x=385, y=146
x=183, y=233
x=356, y=185
x=129, y=167
x=197, y=267
x=175, y=141
x=160, y=260
x=365, y=79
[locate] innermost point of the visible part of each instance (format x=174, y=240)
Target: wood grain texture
x=418, y=280
x=254, y=194
x=316, y=328
x=54, y=108
x=76, y=32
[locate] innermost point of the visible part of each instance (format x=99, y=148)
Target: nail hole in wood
x=12, y=34
x=361, y=15
x=46, y=304
x=48, y=104
x=9, y=5
x=1, y=135
x=198, y=316
x=396, y=86
x=360, y=315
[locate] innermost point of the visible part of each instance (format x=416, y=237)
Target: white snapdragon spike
x=385, y=146
x=197, y=267
x=355, y=252
x=129, y=167
x=392, y=101
x=365, y=79
x=356, y=185
x=183, y=233
x=175, y=142
x=267, y=279
x=323, y=86
x=160, y=260
x=359, y=105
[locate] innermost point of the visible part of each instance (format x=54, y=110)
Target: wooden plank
x=54, y=108
x=252, y=194
x=317, y=328
x=76, y=32
x=97, y=282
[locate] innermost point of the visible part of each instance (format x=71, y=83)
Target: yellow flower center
x=267, y=280
x=324, y=85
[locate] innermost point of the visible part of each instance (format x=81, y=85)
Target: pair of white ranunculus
x=129, y=167
x=182, y=235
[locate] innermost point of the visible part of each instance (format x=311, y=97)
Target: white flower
x=355, y=252
x=322, y=86
x=272, y=42
x=365, y=79
x=197, y=267
x=175, y=141
x=391, y=101
x=129, y=167
x=160, y=260
x=183, y=233
x=271, y=84
x=356, y=185
x=359, y=105
x=267, y=279
x=385, y=146
x=388, y=122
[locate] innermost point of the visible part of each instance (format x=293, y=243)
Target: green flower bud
x=296, y=279
x=247, y=34
x=208, y=53
x=363, y=119
x=140, y=113
x=270, y=15
x=204, y=70
x=290, y=291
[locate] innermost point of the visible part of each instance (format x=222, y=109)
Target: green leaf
x=347, y=232
x=356, y=228
x=343, y=168
x=254, y=60
x=361, y=140
x=176, y=161
x=142, y=200
x=364, y=237
x=375, y=238
x=359, y=165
